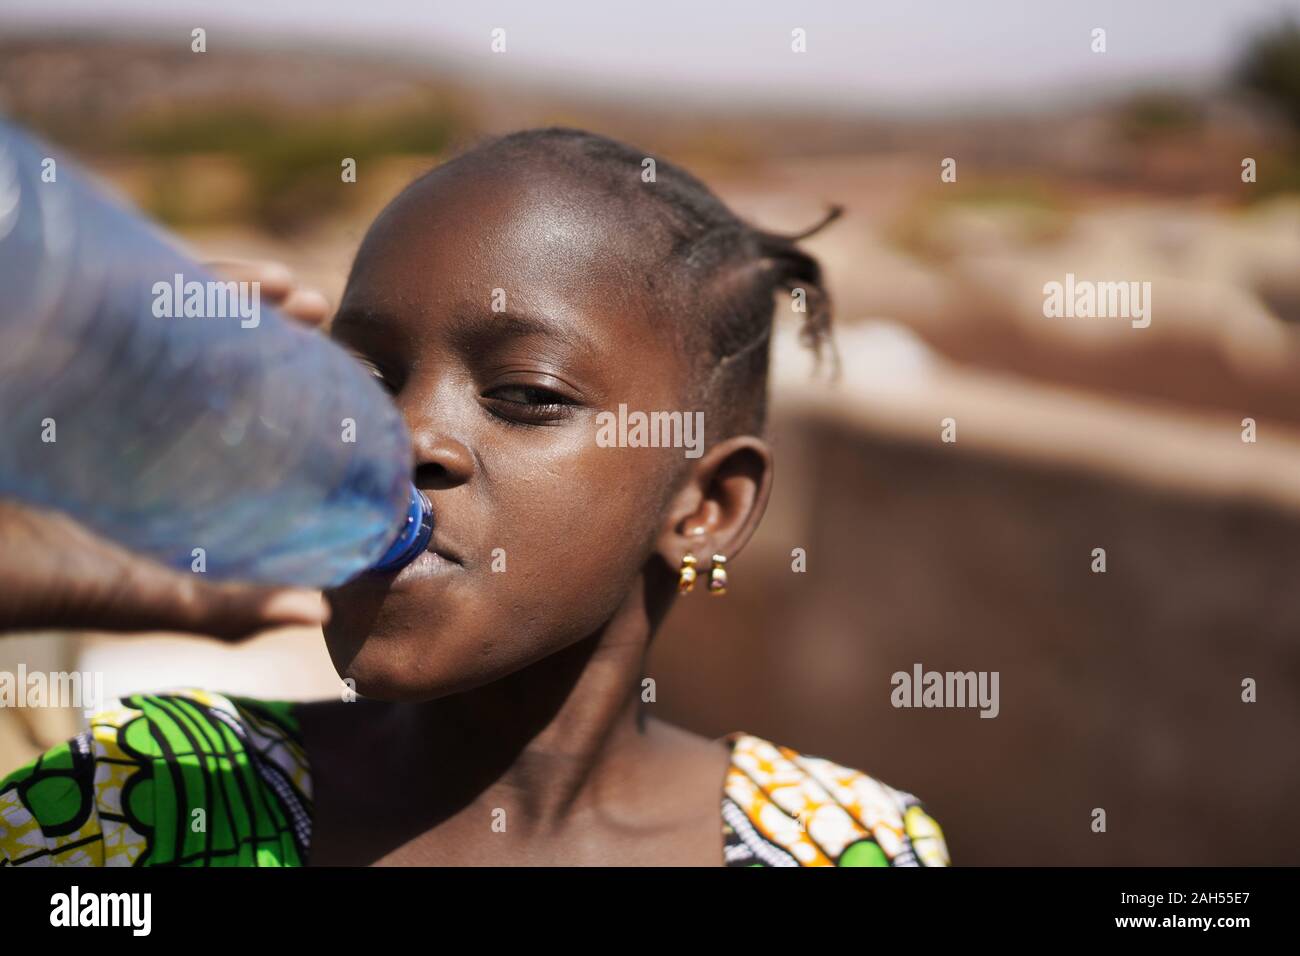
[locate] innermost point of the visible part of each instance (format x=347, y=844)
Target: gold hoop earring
x=686, y=576
x=718, y=575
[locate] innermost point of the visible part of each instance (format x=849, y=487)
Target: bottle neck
x=413, y=539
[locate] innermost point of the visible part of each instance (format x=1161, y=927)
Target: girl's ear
x=720, y=503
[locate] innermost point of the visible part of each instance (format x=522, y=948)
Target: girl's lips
x=428, y=564
x=441, y=550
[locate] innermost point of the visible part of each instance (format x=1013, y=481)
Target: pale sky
x=874, y=53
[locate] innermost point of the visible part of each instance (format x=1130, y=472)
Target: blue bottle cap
x=414, y=537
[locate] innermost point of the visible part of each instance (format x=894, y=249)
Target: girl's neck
x=546, y=742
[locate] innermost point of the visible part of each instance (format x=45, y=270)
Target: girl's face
x=503, y=312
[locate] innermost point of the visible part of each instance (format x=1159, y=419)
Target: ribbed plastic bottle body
x=233, y=430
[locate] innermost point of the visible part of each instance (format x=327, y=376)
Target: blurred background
x=1119, y=690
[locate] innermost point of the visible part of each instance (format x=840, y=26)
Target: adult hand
x=58, y=574
x=55, y=573
x=278, y=287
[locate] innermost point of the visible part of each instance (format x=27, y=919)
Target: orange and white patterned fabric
x=784, y=808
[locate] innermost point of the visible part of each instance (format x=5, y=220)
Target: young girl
x=506, y=299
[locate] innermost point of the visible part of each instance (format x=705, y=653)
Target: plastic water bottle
x=167, y=411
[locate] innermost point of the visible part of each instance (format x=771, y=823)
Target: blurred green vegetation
x=1020, y=211
x=1269, y=65
x=1152, y=114
x=1278, y=172
x=291, y=162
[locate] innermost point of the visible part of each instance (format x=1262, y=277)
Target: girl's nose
x=440, y=461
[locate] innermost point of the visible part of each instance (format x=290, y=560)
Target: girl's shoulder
x=781, y=807
x=184, y=776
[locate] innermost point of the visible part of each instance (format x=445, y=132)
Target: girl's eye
x=373, y=369
x=527, y=395
x=527, y=404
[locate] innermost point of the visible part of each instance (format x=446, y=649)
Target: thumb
x=158, y=598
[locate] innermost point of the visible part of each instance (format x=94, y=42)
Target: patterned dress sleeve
x=181, y=778
x=785, y=808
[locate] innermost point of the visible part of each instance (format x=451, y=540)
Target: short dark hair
x=713, y=256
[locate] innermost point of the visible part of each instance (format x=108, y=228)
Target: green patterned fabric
x=188, y=778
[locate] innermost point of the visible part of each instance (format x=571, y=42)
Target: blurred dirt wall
x=1119, y=690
